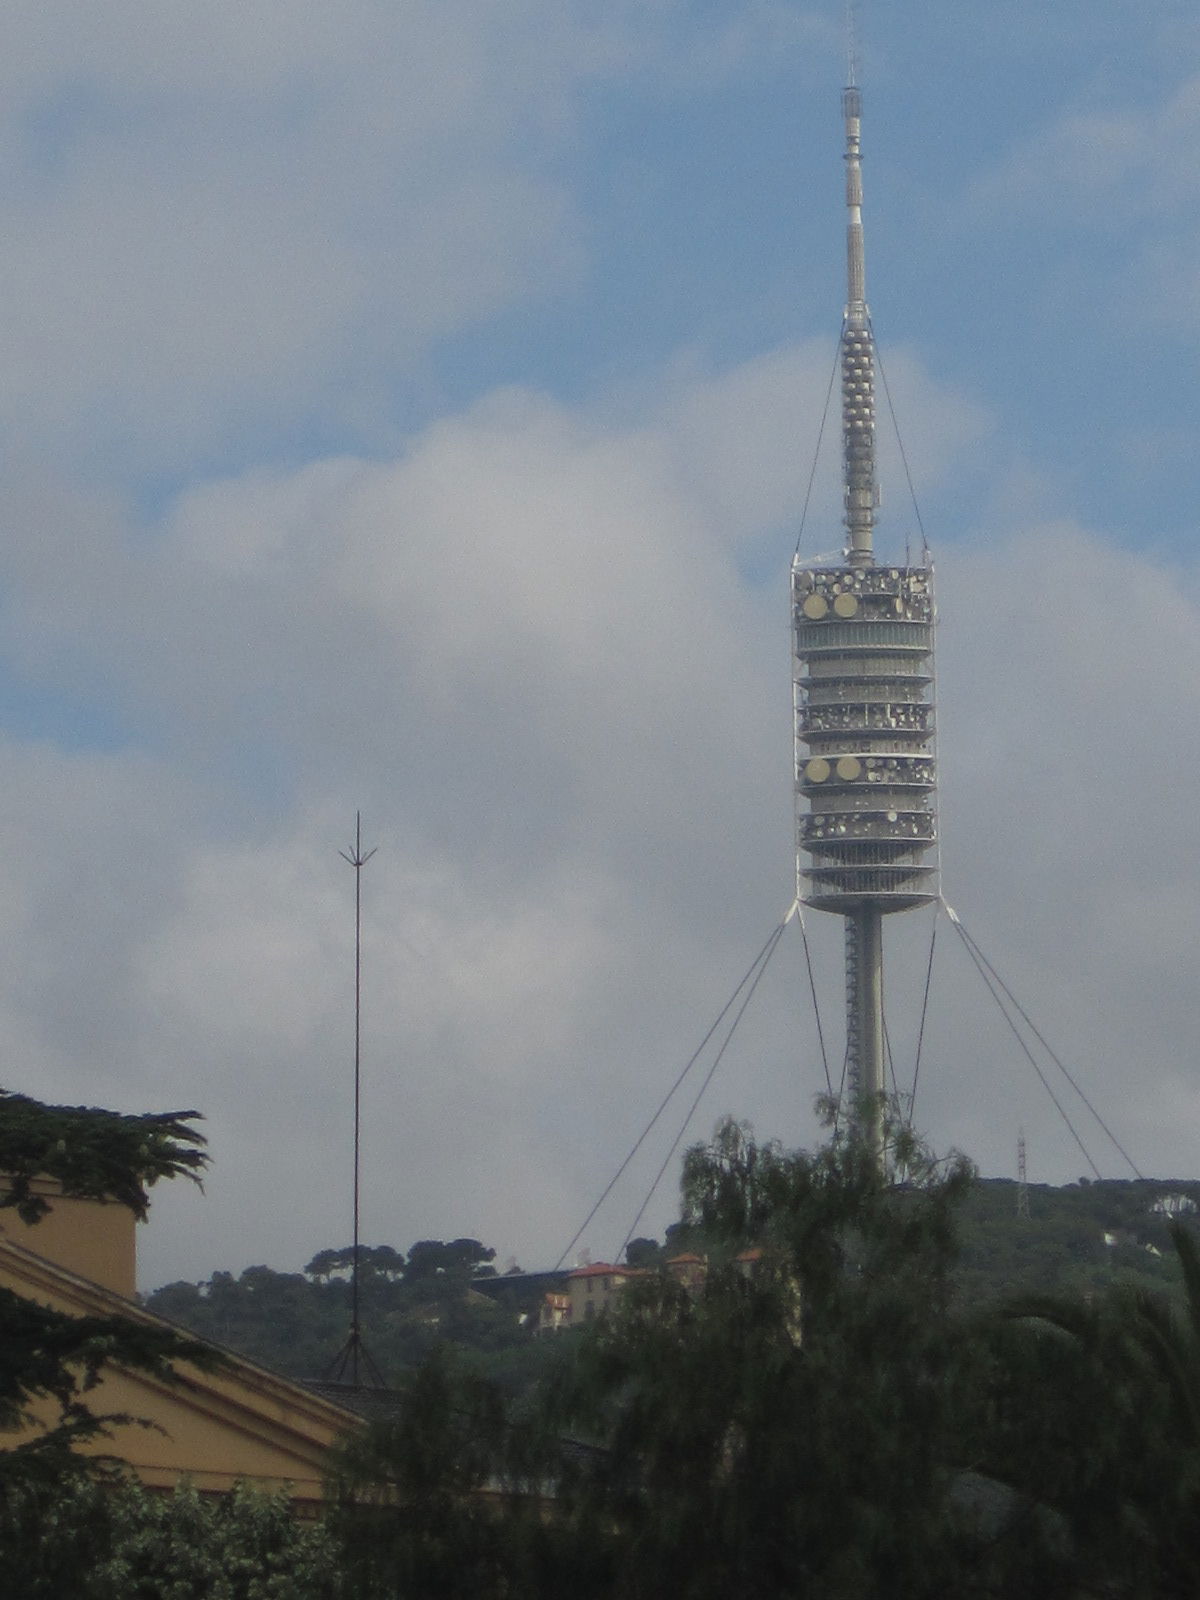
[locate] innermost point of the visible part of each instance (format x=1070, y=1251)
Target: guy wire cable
x=899, y=442
x=695, y=1056
x=1029, y=1056
x=1031, y=1025
x=817, y=452
x=812, y=989
x=912, y=1104
x=773, y=942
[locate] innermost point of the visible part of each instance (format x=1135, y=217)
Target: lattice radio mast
x=1022, y=1180
x=864, y=710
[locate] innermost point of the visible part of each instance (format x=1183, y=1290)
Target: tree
x=374, y=1261
x=95, y=1542
x=45, y=1355
x=408, y=1510
x=431, y=1258
x=644, y=1253
x=789, y=1428
x=93, y=1154
x=1093, y=1416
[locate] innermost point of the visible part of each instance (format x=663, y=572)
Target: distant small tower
x=1022, y=1183
x=864, y=710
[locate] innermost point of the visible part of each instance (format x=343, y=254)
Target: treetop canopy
x=94, y=1154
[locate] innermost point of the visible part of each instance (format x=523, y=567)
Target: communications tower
x=866, y=826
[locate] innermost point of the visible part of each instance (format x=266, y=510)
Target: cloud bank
x=320, y=494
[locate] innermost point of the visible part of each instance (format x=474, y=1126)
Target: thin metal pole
x=358, y=861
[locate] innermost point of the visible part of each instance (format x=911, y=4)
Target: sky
x=408, y=408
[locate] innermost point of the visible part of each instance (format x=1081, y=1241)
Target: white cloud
x=1104, y=164
x=1124, y=174
x=541, y=644
x=524, y=649
x=226, y=220
x=1070, y=831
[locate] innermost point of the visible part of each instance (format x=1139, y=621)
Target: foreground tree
x=93, y=1154
x=1093, y=1416
x=790, y=1428
x=46, y=1357
x=87, y=1541
x=411, y=1504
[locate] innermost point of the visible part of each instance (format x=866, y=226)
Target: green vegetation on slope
x=1084, y=1237
x=296, y=1323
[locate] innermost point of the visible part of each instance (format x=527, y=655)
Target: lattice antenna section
x=1022, y=1181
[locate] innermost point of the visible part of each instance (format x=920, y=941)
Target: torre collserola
x=863, y=670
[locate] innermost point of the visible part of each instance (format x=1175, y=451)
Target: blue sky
x=409, y=407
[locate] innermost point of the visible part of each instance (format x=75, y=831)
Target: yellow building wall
x=218, y=1433
x=93, y=1238
x=214, y=1428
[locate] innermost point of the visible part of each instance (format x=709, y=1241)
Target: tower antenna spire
x=853, y=61
x=858, y=352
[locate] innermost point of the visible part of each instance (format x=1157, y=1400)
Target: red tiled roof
x=605, y=1269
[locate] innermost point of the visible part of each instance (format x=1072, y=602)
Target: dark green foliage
x=411, y=1512
x=835, y=1411
x=94, y=1154
x=789, y=1430
x=1061, y=1246
x=1094, y=1413
x=374, y=1261
x=296, y=1323
x=644, y=1253
x=459, y=1259
x=82, y=1541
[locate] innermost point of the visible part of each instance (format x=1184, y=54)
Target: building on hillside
x=688, y=1270
x=591, y=1290
x=213, y=1428
x=554, y=1314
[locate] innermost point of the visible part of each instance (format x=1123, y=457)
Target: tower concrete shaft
x=866, y=1081
x=864, y=708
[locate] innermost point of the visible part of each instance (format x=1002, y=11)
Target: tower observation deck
x=864, y=706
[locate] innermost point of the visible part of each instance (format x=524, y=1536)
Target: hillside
x=1083, y=1236
x=1080, y=1237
